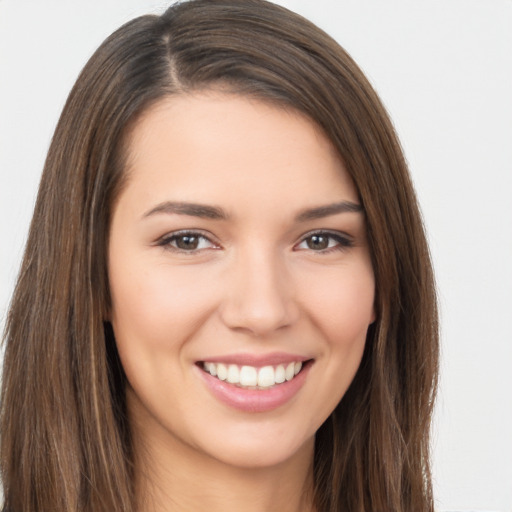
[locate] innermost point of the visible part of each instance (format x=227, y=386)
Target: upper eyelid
x=178, y=232
x=182, y=232
x=327, y=232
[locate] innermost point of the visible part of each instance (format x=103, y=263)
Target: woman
x=226, y=281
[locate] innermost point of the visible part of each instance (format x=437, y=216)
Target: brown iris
x=318, y=242
x=187, y=242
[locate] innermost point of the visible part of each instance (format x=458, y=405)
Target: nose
x=259, y=297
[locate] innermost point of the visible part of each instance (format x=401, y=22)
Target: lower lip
x=255, y=400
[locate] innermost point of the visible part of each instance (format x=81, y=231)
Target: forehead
x=209, y=144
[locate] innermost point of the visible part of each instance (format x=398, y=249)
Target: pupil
x=318, y=242
x=187, y=242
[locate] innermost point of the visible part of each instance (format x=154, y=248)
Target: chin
x=272, y=453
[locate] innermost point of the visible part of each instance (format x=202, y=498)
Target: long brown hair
x=65, y=438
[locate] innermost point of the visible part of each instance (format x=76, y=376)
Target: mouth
x=255, y=384
x=253, y=377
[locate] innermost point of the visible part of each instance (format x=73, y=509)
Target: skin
x=256, y=283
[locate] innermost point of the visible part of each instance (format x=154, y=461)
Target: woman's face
x=241, y=281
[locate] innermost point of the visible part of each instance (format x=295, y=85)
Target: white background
x=444, y=70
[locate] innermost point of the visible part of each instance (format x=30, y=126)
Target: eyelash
x=167, y=241
x=342, y=242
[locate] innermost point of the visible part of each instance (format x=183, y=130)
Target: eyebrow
x=194, y=210
x=216, y=213
x=331, y=209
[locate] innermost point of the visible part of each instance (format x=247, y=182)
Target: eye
x=322, y=241
x=186, y=241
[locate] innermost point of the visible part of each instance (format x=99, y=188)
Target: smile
x=251, y=377
x=255, y=386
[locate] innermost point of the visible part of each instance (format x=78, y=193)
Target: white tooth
x=290, y=371
x=297, y=368
x=210, y=368
x=280, y=374
x=233, y=374
x=266, y=377
x=222, y=371
x=248, y=376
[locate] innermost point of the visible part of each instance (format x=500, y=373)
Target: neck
x=172, y=476
x=228, y=490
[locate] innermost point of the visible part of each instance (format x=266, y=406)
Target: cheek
x=342, y=303
x=157, y=305
x=339, y=302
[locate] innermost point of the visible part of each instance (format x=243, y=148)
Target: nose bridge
x=260, y=295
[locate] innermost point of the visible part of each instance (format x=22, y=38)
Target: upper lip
x=257, y=360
